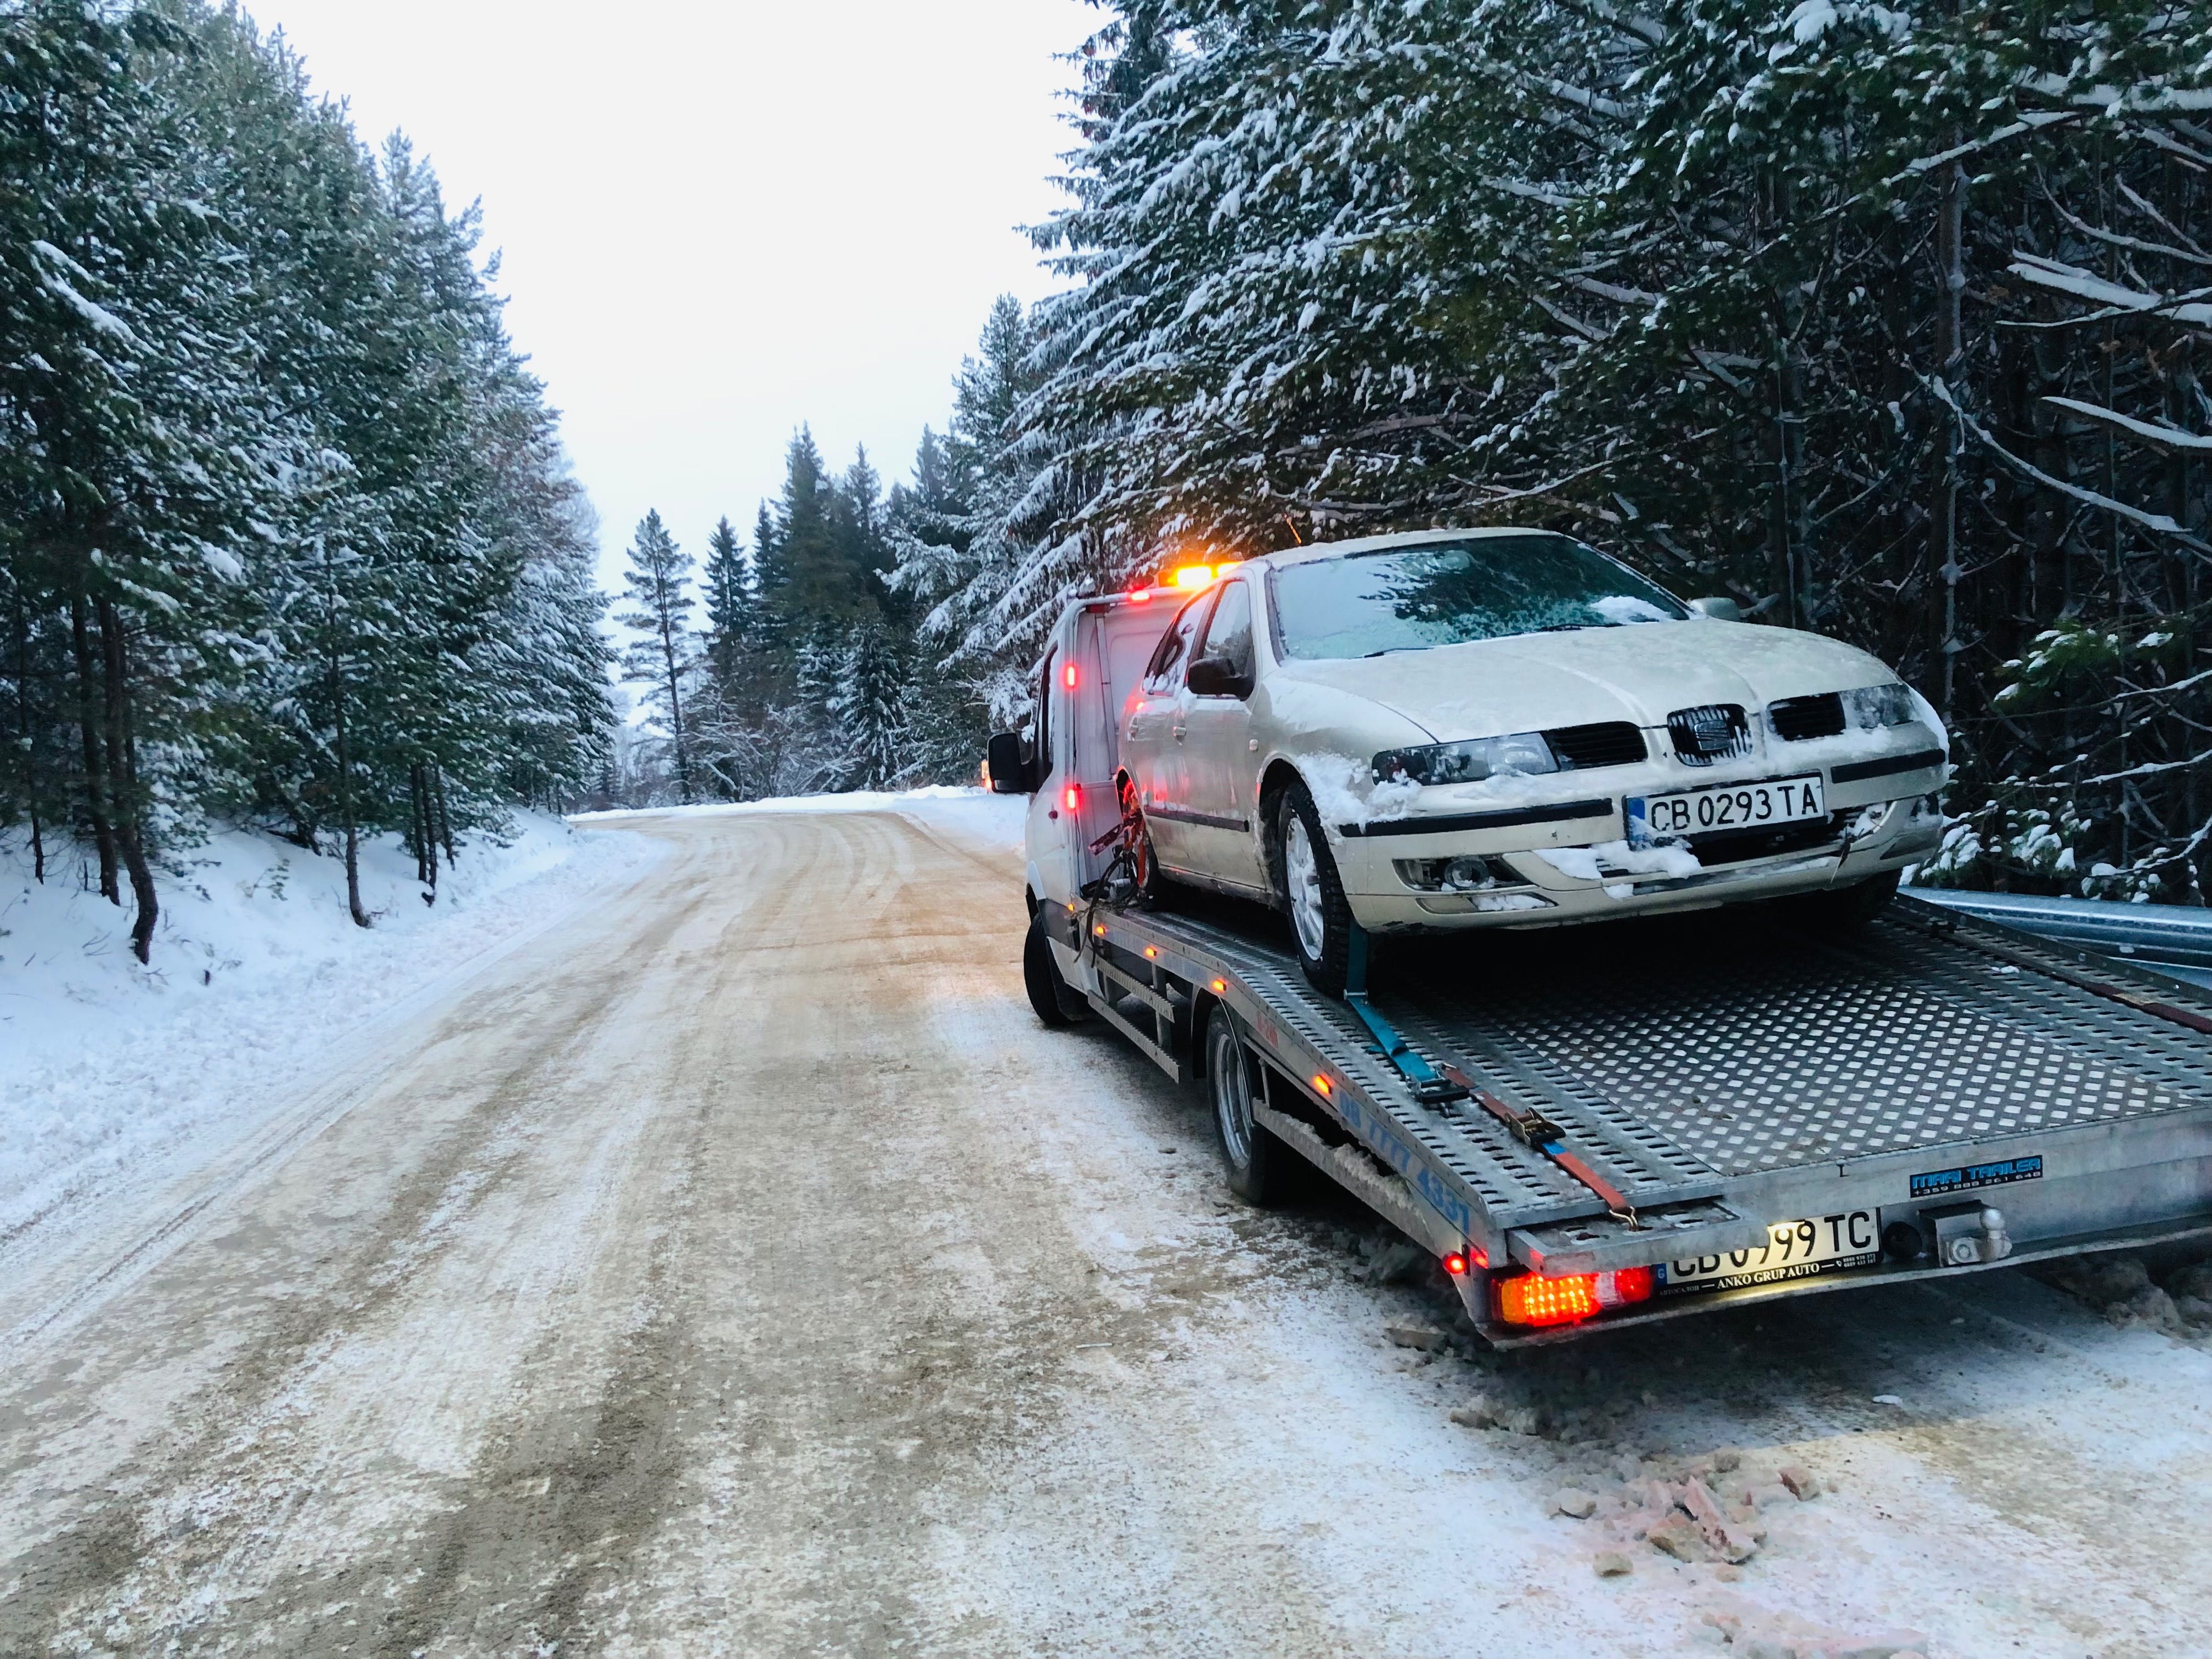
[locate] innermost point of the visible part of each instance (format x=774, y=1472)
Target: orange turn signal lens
x=1099, y=928
x=1532, y=1299
x=1219, y=986
x=1322, y=1086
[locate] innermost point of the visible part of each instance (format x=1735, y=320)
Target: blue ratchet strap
x=1429, y=1089
x=1432, y=1090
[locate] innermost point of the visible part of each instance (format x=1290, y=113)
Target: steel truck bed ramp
x=1698, y=1113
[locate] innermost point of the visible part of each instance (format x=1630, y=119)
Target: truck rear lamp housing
x=1532, y=1299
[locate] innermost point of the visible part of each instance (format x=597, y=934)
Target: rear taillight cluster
x=1532, y=1299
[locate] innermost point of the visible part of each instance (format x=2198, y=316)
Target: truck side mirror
x=1718, y=610
x=1214, y=677
x=1010, y=772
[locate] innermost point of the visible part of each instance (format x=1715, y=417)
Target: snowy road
x=737, y=1268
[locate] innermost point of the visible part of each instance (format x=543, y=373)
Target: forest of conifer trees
x=286, y=535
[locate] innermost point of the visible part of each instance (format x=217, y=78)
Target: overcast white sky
x=721, y=219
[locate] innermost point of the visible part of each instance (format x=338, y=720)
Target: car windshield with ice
x=1454, y=592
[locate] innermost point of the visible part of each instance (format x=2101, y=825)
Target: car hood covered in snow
x=1643, y=673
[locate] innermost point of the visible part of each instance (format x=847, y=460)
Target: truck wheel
x=1258, y=1164
x=1312, y=892
x=1057, y=1004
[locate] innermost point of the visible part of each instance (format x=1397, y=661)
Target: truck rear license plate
x=1794, y=1249
x=1725, y=806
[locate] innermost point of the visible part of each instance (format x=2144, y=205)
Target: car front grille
x=1710, y=732
x=1796, y=719
x=1608, y=743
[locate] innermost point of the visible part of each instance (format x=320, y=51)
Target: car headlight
x=1878, y=706
x=1467, y=762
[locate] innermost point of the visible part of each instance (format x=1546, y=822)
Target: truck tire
x=1057, y=1004
x=1311, y=891
x=1258, y=1166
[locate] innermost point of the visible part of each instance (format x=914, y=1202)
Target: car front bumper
x=1873, y=826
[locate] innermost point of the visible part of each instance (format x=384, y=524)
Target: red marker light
x=1071, y=677
x=1455, y=1264
x=1073, y=799
x=1141, y=596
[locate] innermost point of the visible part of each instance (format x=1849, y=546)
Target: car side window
x=1229, y=636
x=1165, y=671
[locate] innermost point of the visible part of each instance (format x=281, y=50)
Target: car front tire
x=1311, y=891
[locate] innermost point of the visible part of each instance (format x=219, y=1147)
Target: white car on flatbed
x=1454, y=729
x=1696, y=1113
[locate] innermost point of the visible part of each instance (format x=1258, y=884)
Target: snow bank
x=256, y=968
x=993, y=822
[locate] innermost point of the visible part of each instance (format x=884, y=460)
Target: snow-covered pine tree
x=978, y=549
x=868, y=707
x=664, y=656
x=727, y=581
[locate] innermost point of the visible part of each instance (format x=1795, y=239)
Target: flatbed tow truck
x=1584, y=1142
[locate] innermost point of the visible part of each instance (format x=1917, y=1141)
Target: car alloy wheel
x=1302, y=883
x=1308, y=886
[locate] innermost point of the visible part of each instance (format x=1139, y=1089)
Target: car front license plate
x=1794, y=1249
x=1725, y=806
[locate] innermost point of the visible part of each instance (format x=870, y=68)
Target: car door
x=1154, y=742
x=1217, y=748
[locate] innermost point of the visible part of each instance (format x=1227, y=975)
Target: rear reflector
x=1531, y=1299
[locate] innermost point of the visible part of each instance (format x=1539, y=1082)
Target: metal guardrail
x=2171, y=939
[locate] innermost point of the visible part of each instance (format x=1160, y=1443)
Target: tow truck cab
x=1071, y=765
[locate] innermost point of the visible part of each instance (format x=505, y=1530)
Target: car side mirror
x=1718, y=610
x=1009, y=770
x=1216, y=677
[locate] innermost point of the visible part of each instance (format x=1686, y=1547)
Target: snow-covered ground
x=724, y=1272
x=977, y=816
x=257, y=970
